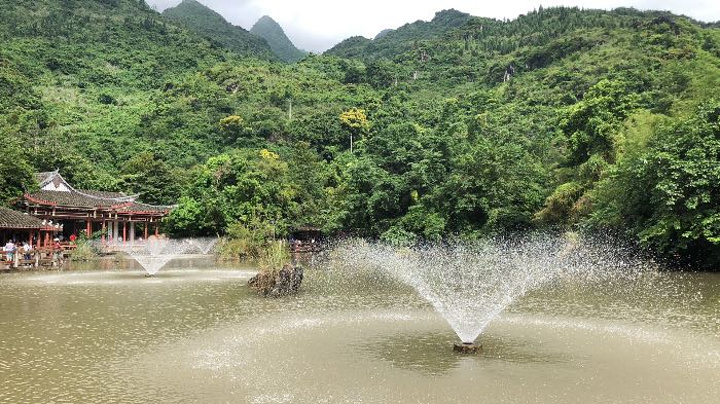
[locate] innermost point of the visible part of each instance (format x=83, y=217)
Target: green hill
x=78, y=79
x=388, y=42
x=204, y=21
x=561, y=118
x=281, y=45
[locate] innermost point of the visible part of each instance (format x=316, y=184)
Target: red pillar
x=102, y=235
x=124, y=233
x=157, y=229
x=146, y=229
x=88, y=230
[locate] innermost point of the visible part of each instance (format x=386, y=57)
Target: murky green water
x=195, y=334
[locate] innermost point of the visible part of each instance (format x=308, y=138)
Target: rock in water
x=281, y=283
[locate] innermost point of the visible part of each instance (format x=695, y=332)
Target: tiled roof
x=105, y=194
x=70, y=199
x=11, y=219
x=82, y=199
x=137, y=207
x=43, y=178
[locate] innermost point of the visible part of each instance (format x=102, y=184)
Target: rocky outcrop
x=284, y=282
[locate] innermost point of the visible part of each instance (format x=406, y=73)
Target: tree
x=16, y=174
x=667, y=192
x=150, y=177
x=356, y=122
x=232, y=127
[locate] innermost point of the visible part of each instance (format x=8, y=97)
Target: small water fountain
x=469, y=284
x=155, y=252
x=205, y=245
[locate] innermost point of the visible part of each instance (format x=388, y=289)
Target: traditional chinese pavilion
x=20, y=226
x=119, y=217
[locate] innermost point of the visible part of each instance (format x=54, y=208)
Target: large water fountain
x=560, y=322
x=470, y=283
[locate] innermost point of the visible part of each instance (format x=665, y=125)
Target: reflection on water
x=429, y=352
x=196, y=334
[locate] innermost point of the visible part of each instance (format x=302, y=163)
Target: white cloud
x=317, y=25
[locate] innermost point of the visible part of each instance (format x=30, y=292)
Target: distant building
x=119, y=217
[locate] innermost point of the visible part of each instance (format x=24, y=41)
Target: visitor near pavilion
x=9, y=250
x=27, y=250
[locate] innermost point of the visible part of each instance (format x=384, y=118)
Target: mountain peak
x=202, y=20
x=281, y=45
x=266, y=19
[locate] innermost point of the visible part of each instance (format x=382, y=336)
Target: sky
x=317, y=25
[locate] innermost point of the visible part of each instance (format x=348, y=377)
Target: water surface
x=196, y=334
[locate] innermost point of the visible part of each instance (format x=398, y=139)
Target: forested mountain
x=389, y=42
x=280, y=44
x=562, y=118
x=79, y=78
x=206, y=22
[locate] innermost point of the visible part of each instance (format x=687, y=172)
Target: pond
x=195, y=333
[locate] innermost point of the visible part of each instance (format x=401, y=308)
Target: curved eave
x=40, y=201
x=154, y=213
x=34, y=228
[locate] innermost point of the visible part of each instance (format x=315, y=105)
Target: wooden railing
x=39, y=257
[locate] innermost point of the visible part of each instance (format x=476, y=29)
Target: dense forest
x=457, y=127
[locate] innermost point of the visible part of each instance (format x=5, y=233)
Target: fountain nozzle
x=467, y=348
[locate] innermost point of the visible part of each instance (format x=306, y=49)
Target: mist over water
x=470, y=283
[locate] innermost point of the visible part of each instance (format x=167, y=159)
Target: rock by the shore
x=278, y=283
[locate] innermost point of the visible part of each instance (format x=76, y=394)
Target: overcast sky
x=317, y=25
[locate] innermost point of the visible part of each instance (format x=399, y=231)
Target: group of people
x=10, y=249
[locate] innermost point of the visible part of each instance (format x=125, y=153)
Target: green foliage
x=560, y=207
x=355, y=120
x=396, y=236
x=395, y=41
x=247, y=186
x=667, y=192
x=192, y=217
x=274, y=256
x=155, y=181
x=85, y=250
x=460, y=126
x=254, y=240
x=233, y=128
x=15, y=172
x=592, y=123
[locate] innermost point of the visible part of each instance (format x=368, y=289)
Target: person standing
x=27, y=251
x=10, y=250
